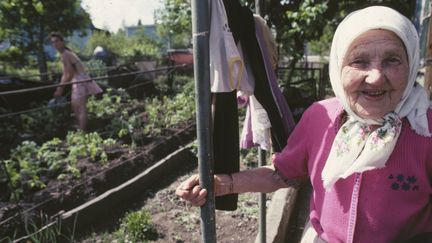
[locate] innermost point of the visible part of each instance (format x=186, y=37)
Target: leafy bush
x=137, y=227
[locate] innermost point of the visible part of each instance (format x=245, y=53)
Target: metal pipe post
x=259, y=9
x=262, y=201
x=200, y=32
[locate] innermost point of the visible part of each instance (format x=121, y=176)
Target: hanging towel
x=225, y=142
x=256, y=126
x=227, y=69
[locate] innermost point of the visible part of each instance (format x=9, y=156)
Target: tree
x=26, y=24
x=296, y=22
x=136, y=47
x=174, y=23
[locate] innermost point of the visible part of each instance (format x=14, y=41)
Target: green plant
x=248, y=205
x=46, y=230
x=51, y=153
x=23, y=169
x=249, y=157
x=39, y=122
x=90, y=145
x=176, y=110
x=97, y=68
x=30, y=166
x=113, y=101
x=137, y=227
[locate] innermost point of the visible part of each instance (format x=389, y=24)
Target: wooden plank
x=91, y=210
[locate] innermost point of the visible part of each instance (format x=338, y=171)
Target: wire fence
x=106, y=68
x=169, y=70
x=19, y=91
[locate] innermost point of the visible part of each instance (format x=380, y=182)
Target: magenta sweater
x=391, y=204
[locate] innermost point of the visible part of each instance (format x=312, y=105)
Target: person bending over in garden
x=366, y=152
x=73, y=70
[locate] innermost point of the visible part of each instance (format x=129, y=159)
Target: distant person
x=367, y=152
x=99, y=53
x=73, y=70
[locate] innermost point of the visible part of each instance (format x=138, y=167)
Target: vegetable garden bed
x=41, y=178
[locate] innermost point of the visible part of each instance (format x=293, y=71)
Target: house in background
x=149, y=30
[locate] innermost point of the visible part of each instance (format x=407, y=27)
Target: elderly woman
x=73, y=70
x=367, y=152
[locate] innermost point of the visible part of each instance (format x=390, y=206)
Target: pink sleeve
x=429, y=162
x=291, y=162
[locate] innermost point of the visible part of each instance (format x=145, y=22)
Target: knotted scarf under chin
x=358, y=148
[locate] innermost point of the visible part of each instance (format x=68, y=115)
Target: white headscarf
x=356, y=148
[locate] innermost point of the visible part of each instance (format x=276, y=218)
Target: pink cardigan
x=391, y=204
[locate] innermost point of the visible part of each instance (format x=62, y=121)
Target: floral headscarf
x=356, y=147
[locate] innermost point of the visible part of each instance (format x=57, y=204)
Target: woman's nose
x=375, y=76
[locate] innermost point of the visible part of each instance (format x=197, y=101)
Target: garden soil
x=177, y=221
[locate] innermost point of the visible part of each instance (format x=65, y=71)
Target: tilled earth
x=180, y=222
x=177, y=221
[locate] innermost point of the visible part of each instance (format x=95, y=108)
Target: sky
x=113, y=14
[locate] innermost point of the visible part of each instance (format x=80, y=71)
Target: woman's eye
x=392, y=61
x=359, y=63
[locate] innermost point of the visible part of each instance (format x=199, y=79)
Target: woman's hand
x=58, y=92
x=191, y=191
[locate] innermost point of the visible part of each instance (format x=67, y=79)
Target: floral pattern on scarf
x=358, y=147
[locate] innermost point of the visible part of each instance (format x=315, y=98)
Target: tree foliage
x=300, y=21
x=174, y=23
x=26, y=23
x=295, y=22
x=134, y=47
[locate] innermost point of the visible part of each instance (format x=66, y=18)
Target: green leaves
x=137, y=227
x=174, y=23
x=31, y=166
x=29, y=163
x=176, y=110
x=26, y=23
x=137, y=46
x=38, y=7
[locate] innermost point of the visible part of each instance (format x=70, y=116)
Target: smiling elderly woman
x=367, y=152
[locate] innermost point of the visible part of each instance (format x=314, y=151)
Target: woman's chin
x=371, y=114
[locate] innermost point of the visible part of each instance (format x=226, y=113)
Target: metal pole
x=200, y=32
x=259, y=9
x=262, y=201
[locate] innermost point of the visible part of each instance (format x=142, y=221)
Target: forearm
x=263, y=179
x=64, y=79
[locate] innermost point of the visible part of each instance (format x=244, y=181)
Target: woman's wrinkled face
x=375, y=73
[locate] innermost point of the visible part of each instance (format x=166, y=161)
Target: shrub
x=137, y=227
